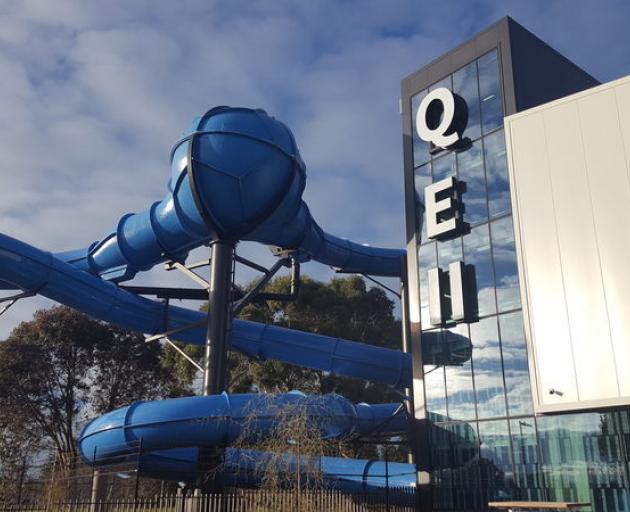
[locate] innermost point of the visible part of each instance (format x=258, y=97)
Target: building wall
x=569, y=169
x=490, y=445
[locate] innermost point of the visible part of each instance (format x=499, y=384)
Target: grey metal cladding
x=540, y=73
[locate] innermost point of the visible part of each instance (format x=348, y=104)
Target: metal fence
x=395, y=500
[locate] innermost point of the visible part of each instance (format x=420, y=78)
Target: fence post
x=135, y=491
x=96, y=485
x=299, y=474
x=52, y=483
x=21, y=483
x=179, y=500
x=386, y=479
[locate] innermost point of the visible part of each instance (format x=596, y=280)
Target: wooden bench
x=547, y=505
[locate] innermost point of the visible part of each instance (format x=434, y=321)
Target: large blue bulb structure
x=244, y=169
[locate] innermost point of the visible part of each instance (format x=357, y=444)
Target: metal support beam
x=250, y=264
x=264, y=280
x=10, y=301
x=406, y=336
x=168, y=293
x=378, y=283
x=162, y=335
x=215, y=360
x=173, y=265
x=183, y=354
x=219, y=313
x=186, y=270
x=295, y=286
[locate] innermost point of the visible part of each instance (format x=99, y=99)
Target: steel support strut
x=219, y=313
x=215, y=360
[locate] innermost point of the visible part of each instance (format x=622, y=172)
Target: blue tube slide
x=34, y=270
x=237, y=175
x=172, y=430
x=243, y=468
x=226, y=418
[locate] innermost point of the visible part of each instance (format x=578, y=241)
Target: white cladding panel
x=569, y=170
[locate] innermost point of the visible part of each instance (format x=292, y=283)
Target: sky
x=94, y=94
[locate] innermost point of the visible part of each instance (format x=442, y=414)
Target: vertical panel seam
x=519, y=234
x=555, y=226
x=627, y=159
x=574, y=107
x=623, y=142
x=599, y=258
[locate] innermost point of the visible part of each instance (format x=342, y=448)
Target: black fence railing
x=396, y=500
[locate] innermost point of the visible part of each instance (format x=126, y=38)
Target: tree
x=62, y=367
x=343, y=308
x=18, y=449
x=182, y=373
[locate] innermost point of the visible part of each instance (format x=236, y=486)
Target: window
x=499, y=202
x=460, y=395
x=490, y=92
x=477, y=254
x=505, y=267
x=465, y=84
x=488, y=369
x=515, y=364
x=471, y=172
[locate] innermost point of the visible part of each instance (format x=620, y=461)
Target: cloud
x=93, y=95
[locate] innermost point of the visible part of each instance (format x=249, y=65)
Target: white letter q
x=437, y=135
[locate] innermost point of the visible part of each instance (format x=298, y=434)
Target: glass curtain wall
x=487, y=444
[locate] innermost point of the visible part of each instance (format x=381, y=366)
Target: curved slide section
x=237, y=175
x=242, y=468
x=172, y=432
x=34, y=270
x=226, y=418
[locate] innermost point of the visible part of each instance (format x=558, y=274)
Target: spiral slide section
x=242, y=468
x=226, y=418
x=173, y=430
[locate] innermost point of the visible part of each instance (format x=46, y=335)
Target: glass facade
x=487, y=444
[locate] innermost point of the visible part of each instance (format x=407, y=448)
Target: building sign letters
x=449, y=298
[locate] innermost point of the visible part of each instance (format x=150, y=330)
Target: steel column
x=219, y=309
x=406, y=337
x=215, y=360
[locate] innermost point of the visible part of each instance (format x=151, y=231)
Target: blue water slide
x=173, y=430
x=243, y=468
x=237, y=175
x=34, y=270
x=223, y=419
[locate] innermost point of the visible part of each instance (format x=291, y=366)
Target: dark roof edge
x=517, y=26
x=503, y=21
